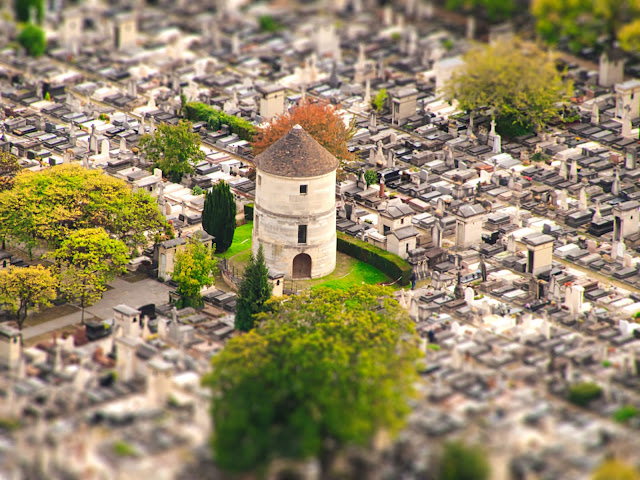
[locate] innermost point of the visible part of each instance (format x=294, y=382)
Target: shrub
x=124, y=449
x=582, y=394
x=388, y=263
x=198, y=111
x=625, y=413
x=33, y=39
x=248, y=212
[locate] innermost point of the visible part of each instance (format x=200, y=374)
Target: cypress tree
x=219, y=215
x=254, y=291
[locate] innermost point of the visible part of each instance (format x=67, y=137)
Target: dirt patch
x=50, y=313
x=134, y=277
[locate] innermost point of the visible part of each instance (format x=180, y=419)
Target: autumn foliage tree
x=320, y=120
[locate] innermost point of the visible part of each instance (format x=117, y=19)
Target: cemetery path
x=134, y=294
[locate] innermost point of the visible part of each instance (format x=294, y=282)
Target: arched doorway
x=301, y=266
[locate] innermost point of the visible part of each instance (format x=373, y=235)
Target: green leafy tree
x=493, y=10
x=219, y=215
x=9, y=166
x=613, y=469
x=380, y=99
x=518, y=81
x=194, y=268
x=175, y=149
x=462, y=462
x=50, y=204
x=23, y=10
x=33, y=39
x=585, y=22
x=254, y=292
x=323, y=371
x=269, y=24
x=86, y=261
x=629, y=36
x=370, y=177
x=24, y=289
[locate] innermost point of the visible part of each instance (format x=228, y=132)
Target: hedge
x=248, y=212
x=582, y=394
x=200, y=112
x=387, y=262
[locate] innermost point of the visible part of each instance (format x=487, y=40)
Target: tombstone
x=573, y=176
x=66, y=158
x=576, y=296
x=141, y=126
x=546, y=329
x=483, y=269
x=436, y=235
x=456, y=358
x=93, y=140
x=592, y=246
x=497, y=146
x=563, y=169
x=455, y=327
x=627, y=261
x=469, y=295
x=511, y=243
x=563, y=202
x=123, y=145
x=104, y=151
x=492, y=133
x=152, y=126
x=85, y=160
x=162, y=328
x=617, y=250
x=582, y=200
x=367, y=93
x=595, y=114
x=391, y=159
x=623, y=326
x=626, y=124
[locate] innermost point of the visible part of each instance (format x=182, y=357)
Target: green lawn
x=241, y=241
x=360, y=273
x=348, y=272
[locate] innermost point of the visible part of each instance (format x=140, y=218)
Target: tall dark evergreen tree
x=255, y=290
x=219, y=215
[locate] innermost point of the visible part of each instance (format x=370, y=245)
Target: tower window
x=302, y=234
x=259, y=179
x=303, y=189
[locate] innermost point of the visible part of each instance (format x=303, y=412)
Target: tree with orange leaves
x=320, y=120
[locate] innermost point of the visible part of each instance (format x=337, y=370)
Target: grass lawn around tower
x=348, y=271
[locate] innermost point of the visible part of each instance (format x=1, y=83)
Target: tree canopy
x=613, y=469
x=50, y=204
x=23, y=10
x=194, y=268
x=175, y=149
x=519, y=81
x=22, y=289
x=219, y=215
x=320, y=120
x=9, y=166
x=253, y=293
x=493, y=10
x=33, y=39
x=86, y=261
x=322, y=371
x=463, y=462
x=584, y=22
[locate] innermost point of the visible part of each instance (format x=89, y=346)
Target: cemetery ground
x=122, y=291
x=348, y=271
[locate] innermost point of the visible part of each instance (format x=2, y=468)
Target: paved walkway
x=134, y=294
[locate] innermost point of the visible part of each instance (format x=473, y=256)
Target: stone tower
x=295, y=206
